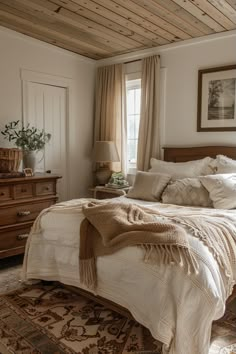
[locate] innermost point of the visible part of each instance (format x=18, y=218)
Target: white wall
x=182, y=65
x=21, y=52
x=181, y=62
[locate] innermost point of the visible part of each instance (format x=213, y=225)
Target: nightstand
x=101, y=192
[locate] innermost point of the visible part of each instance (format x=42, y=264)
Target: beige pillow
x=148, y=186
x=182, y=169
x=222, y=189
x=224, y=164
x=187, y=191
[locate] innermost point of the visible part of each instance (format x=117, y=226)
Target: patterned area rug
x=50, y=319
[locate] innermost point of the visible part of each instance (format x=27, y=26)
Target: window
x=133, y=95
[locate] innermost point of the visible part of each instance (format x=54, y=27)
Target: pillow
x=224, y=164
x=182, y=169
x=222, y=189
x=187, y=191
x=148, y=186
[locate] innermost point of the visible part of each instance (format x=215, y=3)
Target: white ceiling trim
x=161, y=49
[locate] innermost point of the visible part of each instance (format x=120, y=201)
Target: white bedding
x=176, y=307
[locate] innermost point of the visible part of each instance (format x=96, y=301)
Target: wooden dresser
x=21, y=200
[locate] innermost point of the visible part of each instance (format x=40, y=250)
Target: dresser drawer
x=5, y=193
x=21, y=201
x=22, y=213
x=44, y=188
x=13, y=238
x=23, y=190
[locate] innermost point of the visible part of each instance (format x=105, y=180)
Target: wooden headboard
x=183, y=154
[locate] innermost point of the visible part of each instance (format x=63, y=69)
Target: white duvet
x=177, y=308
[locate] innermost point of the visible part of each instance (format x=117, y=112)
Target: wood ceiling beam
x=25, y=27
x=109, y=19
x=153, y=18
x=27, y=20
x=82, y=23
x=52, y=23
x=224, y=7
x=140, y=21
x=99, y=14
x=184, y=15
x=165, y=14
x=201, y=15
x=23, y=30
x=232, y=3
x=212, y=11
x=104, y=28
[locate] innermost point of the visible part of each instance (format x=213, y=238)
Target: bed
x=177, y=308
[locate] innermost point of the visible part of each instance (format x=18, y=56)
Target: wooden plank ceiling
x=104, y=28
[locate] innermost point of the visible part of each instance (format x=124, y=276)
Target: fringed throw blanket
x=109, y=227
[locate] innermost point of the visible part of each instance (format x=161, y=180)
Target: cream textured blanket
x=216, y=231
x=109, y=227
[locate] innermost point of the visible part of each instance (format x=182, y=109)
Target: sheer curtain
x=149, y=129
x=109, y=110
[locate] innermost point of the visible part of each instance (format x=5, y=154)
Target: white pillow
x=224, y=164
x=186, y=191
x=148, y=186
x=222, y=189
x=182, y=169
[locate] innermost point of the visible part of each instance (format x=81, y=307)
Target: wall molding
x=45, y=78
x=164, y=48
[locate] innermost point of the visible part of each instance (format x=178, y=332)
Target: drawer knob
x=23, y=190
x=23, y=213
x=2, y=194
x=22, y=236
x=46, y=188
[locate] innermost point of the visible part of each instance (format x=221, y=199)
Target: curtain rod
x=133, y=61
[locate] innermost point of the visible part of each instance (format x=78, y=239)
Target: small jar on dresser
x=21, y=200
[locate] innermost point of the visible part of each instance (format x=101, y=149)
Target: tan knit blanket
x=109, y=227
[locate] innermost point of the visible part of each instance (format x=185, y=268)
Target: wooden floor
x=10, y=269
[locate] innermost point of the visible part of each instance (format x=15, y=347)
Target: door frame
x=52, y=80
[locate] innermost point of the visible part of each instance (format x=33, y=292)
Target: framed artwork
x=216, y=99
x=28, y=172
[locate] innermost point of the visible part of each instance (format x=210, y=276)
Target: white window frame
x=132, y=81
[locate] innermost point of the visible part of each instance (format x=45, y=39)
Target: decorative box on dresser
x=21, y=200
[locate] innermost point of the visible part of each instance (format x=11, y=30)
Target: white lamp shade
x=105, y=151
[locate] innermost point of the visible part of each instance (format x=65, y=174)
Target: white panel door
x=45, y=108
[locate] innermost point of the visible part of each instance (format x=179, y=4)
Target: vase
x=29, y=160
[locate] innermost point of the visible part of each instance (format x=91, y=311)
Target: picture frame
x=28, y=172
x=216, y=99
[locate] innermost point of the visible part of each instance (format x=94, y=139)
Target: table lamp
x=104, y=152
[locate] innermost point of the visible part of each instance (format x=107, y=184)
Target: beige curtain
x=109, y=109
x=149, y=132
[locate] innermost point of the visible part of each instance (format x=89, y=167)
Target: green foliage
x=118, y=179
x=26, y=138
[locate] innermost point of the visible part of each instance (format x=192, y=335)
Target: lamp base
x=102, y=175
